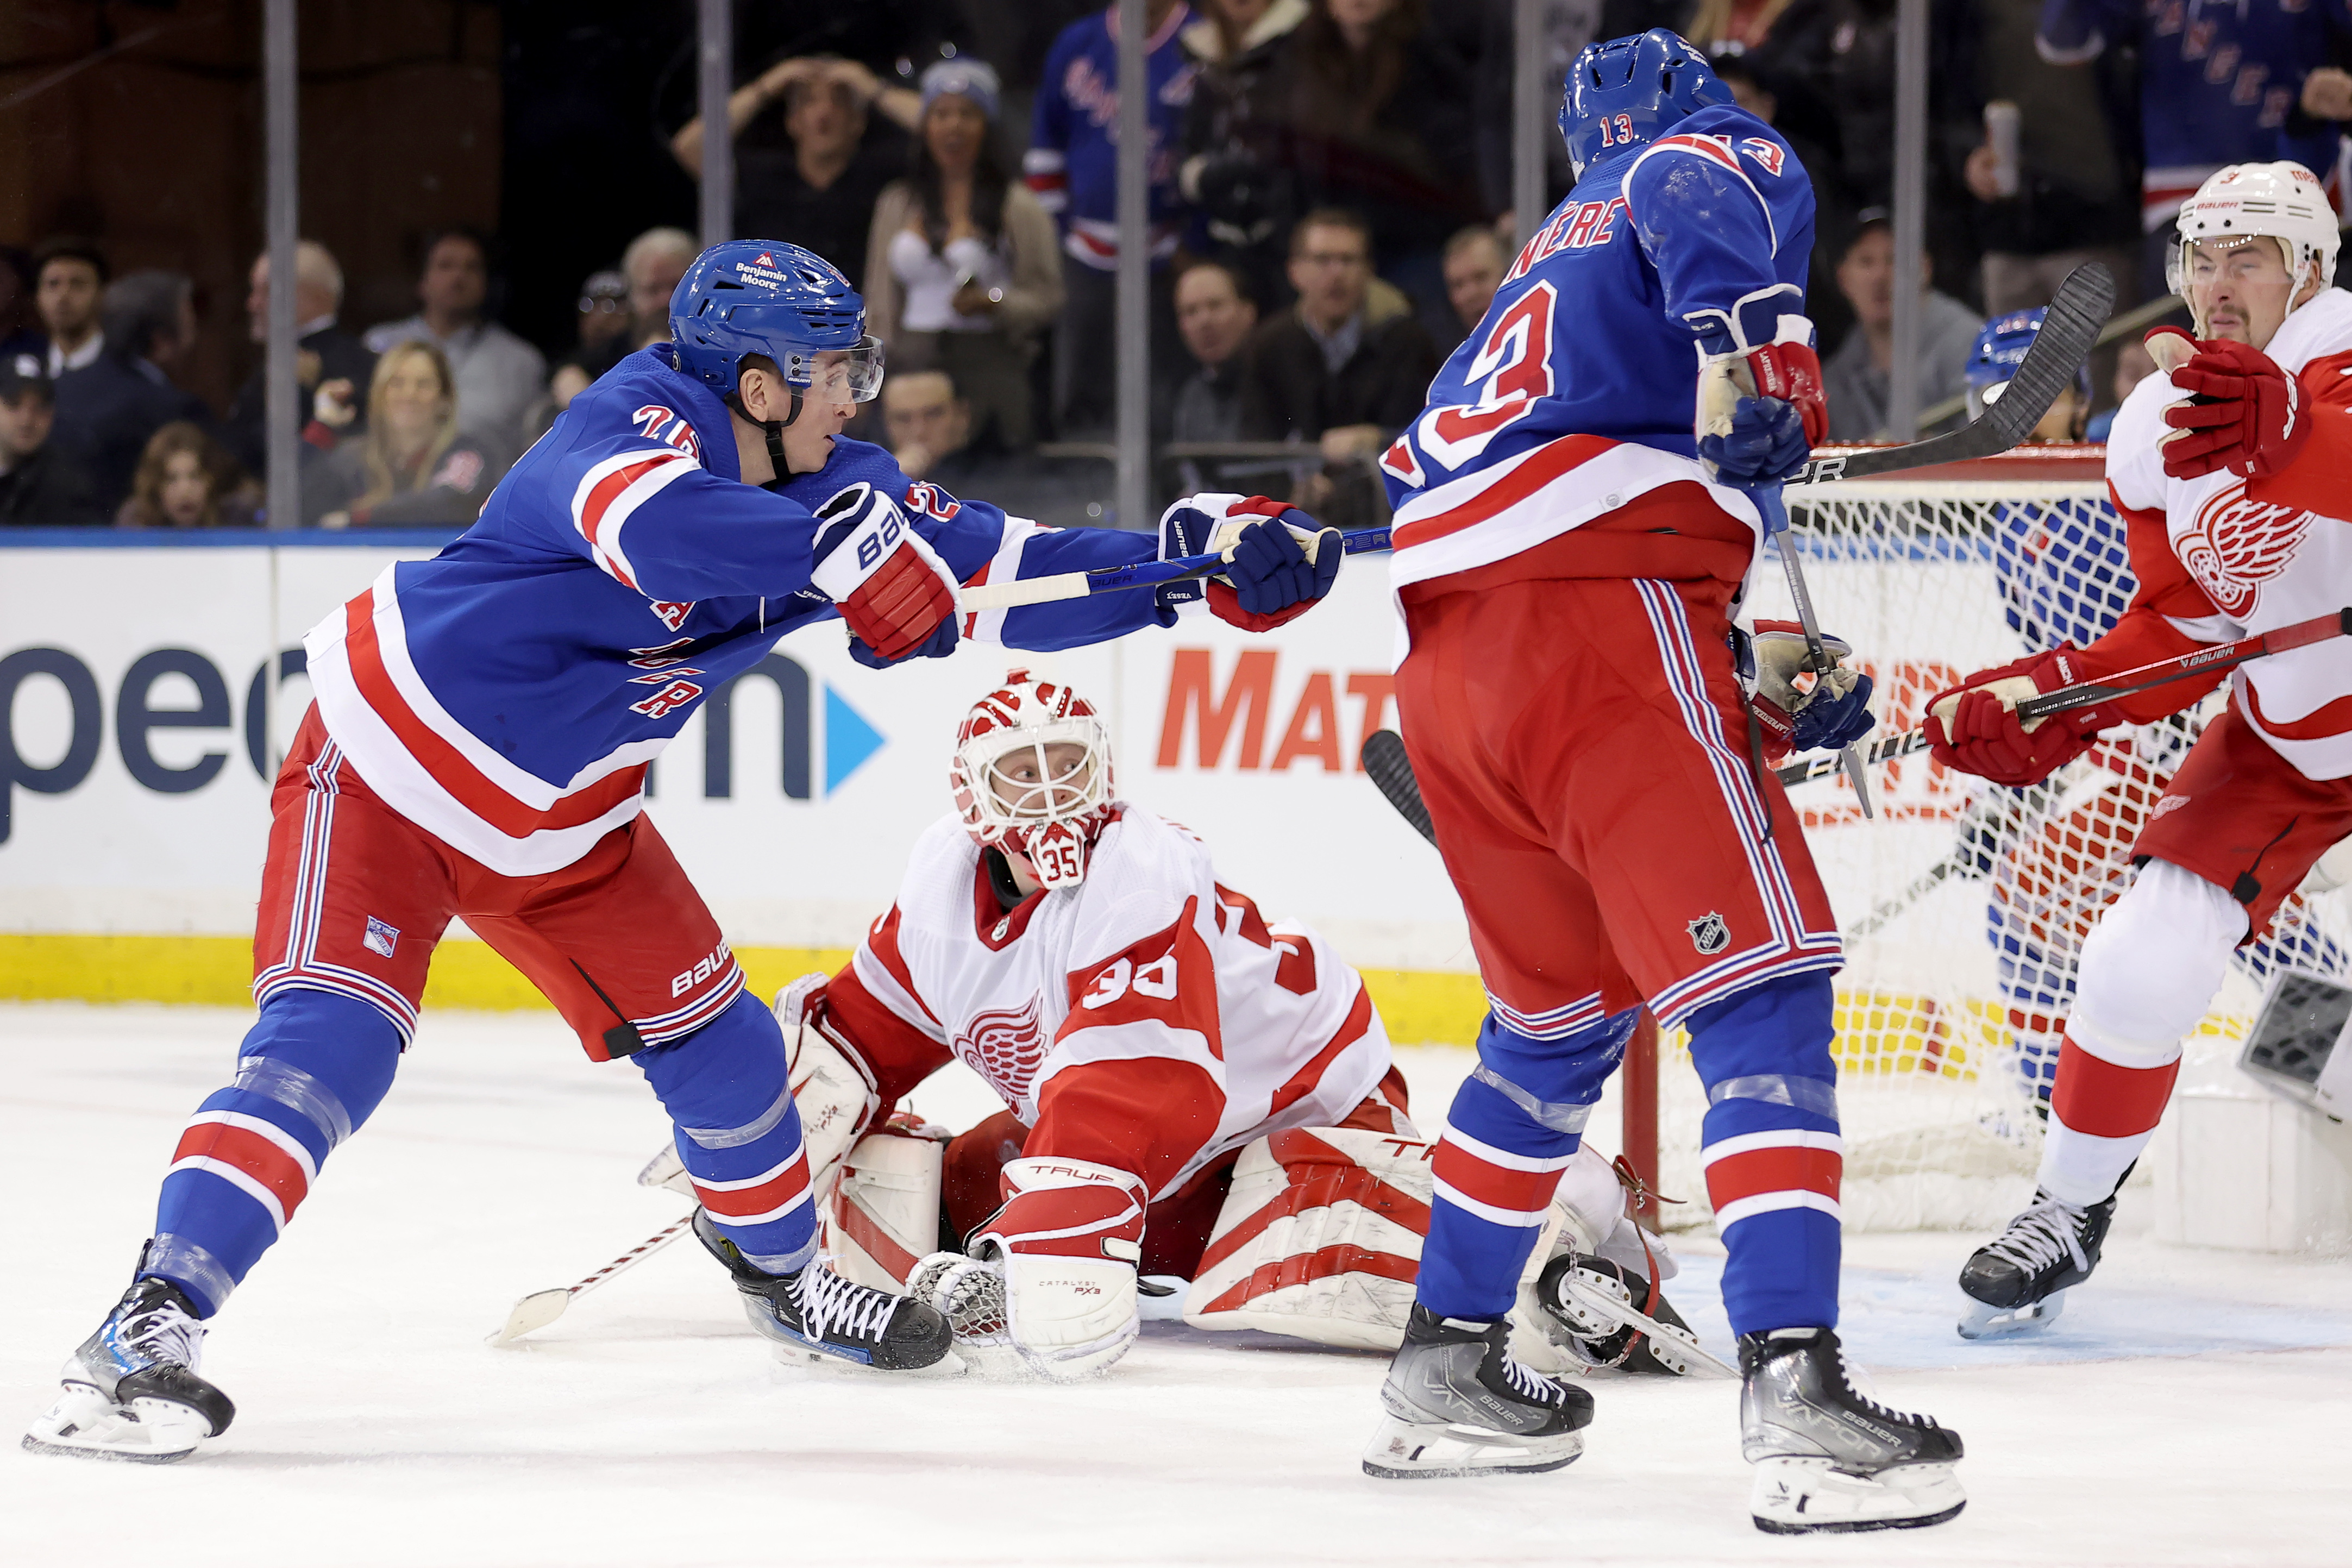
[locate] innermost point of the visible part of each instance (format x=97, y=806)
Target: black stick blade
x=1383, y=758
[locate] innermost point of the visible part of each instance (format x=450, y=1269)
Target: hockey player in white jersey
x=1191, y=1091
x=2230, y=471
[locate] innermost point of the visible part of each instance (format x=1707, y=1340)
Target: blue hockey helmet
x=765, y=297
x=2001, y=348
x=1628, y=91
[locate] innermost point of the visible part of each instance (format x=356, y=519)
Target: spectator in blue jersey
x=961, y=271
x=499, y=376
x=110, y=407
x=41, y=485
x=416, y=466
x=1071, y=167
x=1856, y=377
x=2218, y=84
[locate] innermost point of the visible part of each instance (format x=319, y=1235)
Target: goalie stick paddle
x=2051, y=362
x=1142, y=574
x=542, y=1308
x=1383, y=758
x=2125, y=683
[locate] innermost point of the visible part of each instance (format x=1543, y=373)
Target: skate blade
x=85, y=1425
x=1982, y=1321
x=1413, y=1451
x=1812, y=1497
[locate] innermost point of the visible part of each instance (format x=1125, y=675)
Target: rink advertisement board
x=148, y=689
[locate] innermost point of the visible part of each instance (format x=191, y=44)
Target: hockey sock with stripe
x=2109, y=1096
x=1772, y=1149
x=1514, y=1125
x=312, y=1068
x=739, y=1132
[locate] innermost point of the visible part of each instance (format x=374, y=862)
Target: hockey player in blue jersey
x=1574, y=531
x=478, y=747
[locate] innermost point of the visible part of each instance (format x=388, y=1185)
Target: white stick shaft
x=1025, y=590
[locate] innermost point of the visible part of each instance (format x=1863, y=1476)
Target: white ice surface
x=2192, y=1407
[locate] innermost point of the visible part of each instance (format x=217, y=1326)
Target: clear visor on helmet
x=833, y=375
x=2210, y=258
x=1042, y=773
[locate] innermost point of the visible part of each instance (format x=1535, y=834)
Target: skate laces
x=1529, y=1383
x=2047, y=1231
x=160, y=1331
x=827, y=1301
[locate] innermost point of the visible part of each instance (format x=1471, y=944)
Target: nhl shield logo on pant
x=1709, y=934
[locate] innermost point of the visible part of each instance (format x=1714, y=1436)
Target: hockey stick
x=542, y=1308
x=2051, y=362
x=2126, y=683
x=1142, y=574
x=1383, y=758
x=1817, y=658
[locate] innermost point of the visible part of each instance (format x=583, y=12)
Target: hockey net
x=1965, y=904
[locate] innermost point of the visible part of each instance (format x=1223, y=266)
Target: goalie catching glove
x=1279, y=560
x=1828, y=716
x=897, y=595
x=1974, y=726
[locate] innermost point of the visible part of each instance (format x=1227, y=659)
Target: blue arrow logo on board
x=849, y=739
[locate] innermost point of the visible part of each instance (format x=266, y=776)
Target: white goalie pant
x=1321, y=1239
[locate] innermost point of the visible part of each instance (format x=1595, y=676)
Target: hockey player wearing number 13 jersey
x=478, y=748
x=1573, y=535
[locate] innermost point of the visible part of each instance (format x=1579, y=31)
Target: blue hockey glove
x=1831, y=716
x=1767, y=444
x=1279, y=559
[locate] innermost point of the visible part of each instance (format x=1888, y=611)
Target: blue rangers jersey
x=507, y=695
x=1579, y=390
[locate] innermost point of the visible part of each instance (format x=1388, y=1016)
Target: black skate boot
x=2019, y=1280
x=817, y=1314
x=1828, y=1459
x=1597, y=1307
x=1459, y=1403
x=131, y=1389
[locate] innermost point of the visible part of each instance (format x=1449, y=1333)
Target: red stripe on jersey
x=449, y=767
x=863, y=1229
x=251, y=1152
x=1546, y=464
x=1306, y=1268
x=1351, y=1029
x=778, y=1191
x=882, y=942
x=1752, y=1173
x=609, y=489
x=1319, y=1176
x=1707, y=147
x=1497, y=1186
x=2096, y=1096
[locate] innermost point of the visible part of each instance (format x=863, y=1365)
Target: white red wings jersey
x=1149, y=960
x=2251, y=557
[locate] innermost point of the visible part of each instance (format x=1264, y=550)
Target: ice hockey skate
x=2019, y=1281
x=1830, y=1459
x=815, y=1315
x=1611, y=1316
x=1458, y=1404
x=132, y=1391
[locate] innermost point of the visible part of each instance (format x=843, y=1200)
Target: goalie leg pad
x=1067, y=1239
x=884, y=1217
x=831, y=1084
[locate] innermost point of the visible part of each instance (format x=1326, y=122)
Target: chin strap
x=774, y=430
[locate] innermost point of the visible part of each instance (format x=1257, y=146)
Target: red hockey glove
x=1974, y=726
x=1792, y=372
x=892, y=588
x=2242, y=414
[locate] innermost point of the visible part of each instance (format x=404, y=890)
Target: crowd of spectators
x=1328, y=186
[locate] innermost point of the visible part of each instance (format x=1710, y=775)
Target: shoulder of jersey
x=936, y=888
x=1141, y=853
x=2134, y=465
x=1730, y=136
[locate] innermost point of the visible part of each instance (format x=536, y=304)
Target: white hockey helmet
x=2281, y=202
x=1050, y=821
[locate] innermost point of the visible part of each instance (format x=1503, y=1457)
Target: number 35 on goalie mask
x=1031, y=778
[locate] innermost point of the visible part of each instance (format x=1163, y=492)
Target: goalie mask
x=2282, y=203
x=1031, y=778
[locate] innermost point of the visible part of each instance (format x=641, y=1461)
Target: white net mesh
x=1965, y=904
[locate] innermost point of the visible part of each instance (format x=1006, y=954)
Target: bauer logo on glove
x=1830, y=714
